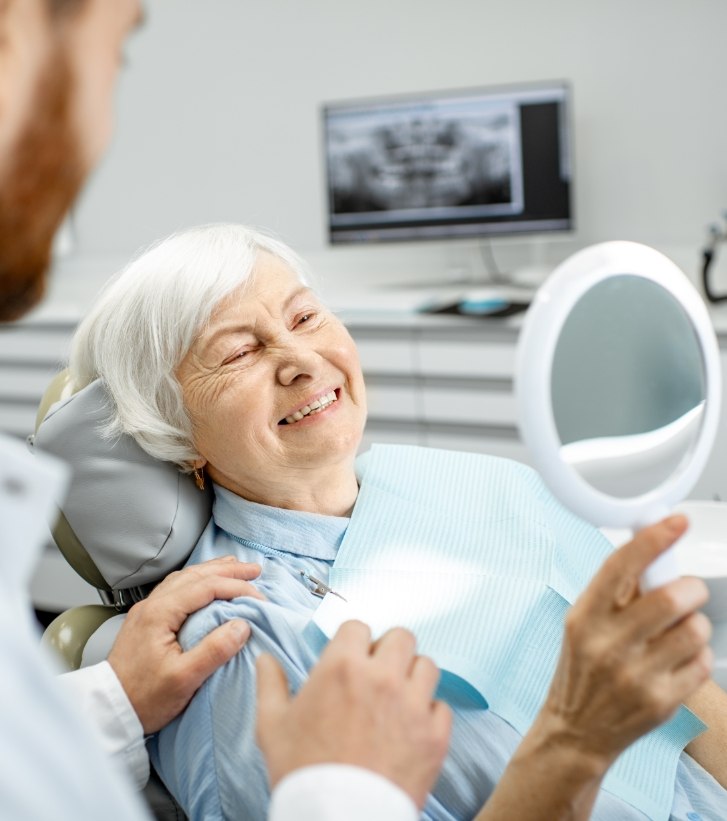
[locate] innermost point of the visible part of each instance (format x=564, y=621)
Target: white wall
x=219, y=118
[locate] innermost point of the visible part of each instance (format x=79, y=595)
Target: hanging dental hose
x=717, y=235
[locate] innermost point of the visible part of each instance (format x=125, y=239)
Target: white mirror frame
x=536, y=348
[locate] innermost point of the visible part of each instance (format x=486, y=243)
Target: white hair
x=147, y=318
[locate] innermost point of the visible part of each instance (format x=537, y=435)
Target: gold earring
x=199, y=478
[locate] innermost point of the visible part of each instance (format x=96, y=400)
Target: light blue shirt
x=208, y=756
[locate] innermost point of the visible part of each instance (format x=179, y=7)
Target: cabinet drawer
x=28, y=344
x=392, y=355
x=24, y=382
x=476, y=406
x=18, y=419
x=456, y=358
x=391, y=401
x=392, y=434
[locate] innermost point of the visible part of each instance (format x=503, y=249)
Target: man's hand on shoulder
x=157, y=675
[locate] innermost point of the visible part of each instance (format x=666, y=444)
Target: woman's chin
x=334, y=447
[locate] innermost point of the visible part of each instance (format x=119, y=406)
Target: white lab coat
x=51, y=766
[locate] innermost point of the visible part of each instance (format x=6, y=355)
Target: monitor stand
x=530, y=276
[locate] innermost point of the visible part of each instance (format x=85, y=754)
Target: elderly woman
x=220, y=358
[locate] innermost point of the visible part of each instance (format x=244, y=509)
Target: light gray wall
x=219, y=115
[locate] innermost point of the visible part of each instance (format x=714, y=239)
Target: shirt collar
x=290, y=531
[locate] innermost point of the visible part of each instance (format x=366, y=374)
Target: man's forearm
x=546, y=780
x=99, y=695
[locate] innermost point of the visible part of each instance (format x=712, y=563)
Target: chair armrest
x=68, y=633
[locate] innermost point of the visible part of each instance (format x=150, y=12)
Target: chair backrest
x=128, y=519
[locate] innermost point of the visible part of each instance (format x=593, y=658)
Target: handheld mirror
x=618, y=388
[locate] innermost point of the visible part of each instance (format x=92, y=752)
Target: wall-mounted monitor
x=449, y=164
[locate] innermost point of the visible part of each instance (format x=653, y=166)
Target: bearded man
x=59, y=60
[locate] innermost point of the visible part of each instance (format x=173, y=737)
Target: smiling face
x=274, y=389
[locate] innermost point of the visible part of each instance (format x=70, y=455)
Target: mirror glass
x=618, y=384
x=628, y=386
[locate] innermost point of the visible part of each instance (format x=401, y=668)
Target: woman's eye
x=306, y=317
x=237, y=357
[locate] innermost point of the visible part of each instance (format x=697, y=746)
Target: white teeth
x=315, y=406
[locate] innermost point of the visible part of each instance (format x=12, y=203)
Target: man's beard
x=44, y=175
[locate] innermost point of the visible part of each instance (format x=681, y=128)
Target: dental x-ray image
x=421, y=157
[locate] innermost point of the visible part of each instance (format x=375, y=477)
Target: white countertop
x=381, y=306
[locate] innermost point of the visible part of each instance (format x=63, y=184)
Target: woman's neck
x=332, y=493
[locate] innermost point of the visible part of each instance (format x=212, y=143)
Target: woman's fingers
x=688, y=678
x=629, y=660
x=680, y=644
x=621, y=571
x=659, y=610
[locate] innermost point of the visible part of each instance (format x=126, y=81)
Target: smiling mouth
x=316, y=406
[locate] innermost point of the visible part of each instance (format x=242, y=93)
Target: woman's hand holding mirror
x=652, y=650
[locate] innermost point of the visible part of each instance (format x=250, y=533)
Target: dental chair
x=128, y=520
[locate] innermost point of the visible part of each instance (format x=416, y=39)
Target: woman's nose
x=297, y=362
